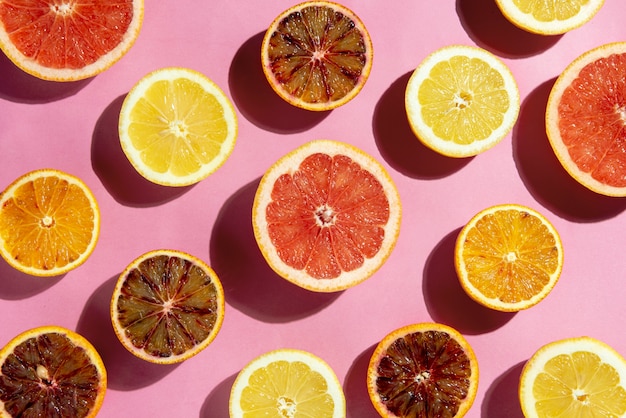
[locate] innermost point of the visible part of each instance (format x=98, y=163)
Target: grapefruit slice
x=461, y=101
x=549, y=17
x=287, y=383
x=326, y=216
x=423, y=370
x=574, y=377
x=508, y=257
x=49, y=223
x=167, y=306
x=586, y=119
x=51, y=372
x=317, y=55
x=68, y=40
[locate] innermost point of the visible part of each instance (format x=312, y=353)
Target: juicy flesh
x=510, y=255
x=463, y=100
x=49, y=376
x=579, y=385
x=592, y=117
x=551, y=10
x=284, y=389
x=66, y=33
x=328, y=216
x=177, y=127
x=317, y=54
x=47, y=224
x=424, y=374
x=167, y=306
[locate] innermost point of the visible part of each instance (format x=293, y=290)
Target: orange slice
x=49, y=223
x=326, y=216
x=508, y=257
x=177, y=127
x=423, y=370
x=287, y=383
x=549, y=17
x=461, y=101
x=317, y=55
x=167, y=306
x=51, y=371
x=586, y=119
x=574, y=377
x=67, y=40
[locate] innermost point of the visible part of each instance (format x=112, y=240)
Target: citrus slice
x=574, y=377
x=423, y=370
x=68, y=40
x=549, y=17
x=317, y=55
x=49, y=223
x=326, y=216
x=287, y=383
x=167, y=306
x=177, y=127
x=586, y=119
x=51, y=372
x=508, y=257
x=461, y=101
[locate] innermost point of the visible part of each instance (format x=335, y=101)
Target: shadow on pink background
x=250, y=285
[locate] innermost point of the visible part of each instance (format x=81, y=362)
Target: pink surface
x=73, y=127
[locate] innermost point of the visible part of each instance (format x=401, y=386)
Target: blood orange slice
x=167, y=306
x=326, y=216
x=67, y=40
x=586, y=119
x=317, y=55
x=51, y=372
x=423, y=370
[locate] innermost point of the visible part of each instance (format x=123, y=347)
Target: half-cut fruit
x=317, y=55
x=51, y=372
x=167, y=306
x=287, y=383
x=461, y=101
x=508, y=257
x=586, y=119
x=49, y=223
x=326, y=216
x=549, y=17
x=574, y=377
x=423, y=370
x=177, y=127
x=67, y=40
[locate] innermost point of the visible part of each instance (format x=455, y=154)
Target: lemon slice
x=177, y=127
x=574, y=377
x=549, y=17
x=287, y=383
x=461, y=101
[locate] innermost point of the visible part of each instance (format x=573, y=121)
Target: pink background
x=73, y=127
